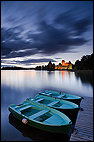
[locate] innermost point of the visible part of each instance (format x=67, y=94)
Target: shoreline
x=72, y=70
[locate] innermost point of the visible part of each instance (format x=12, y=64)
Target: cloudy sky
x=36, y=32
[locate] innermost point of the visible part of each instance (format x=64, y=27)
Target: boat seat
x=65, y=106
x=54, y=120
x=39, y=99
x=25, y=107
x=41, y=93
x=38, y=114
x=47, y=94
x=60, y=96
x=53, y=103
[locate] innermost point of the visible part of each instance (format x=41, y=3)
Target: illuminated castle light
x=63, y=65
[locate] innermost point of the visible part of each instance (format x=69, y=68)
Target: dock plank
x=84, y=122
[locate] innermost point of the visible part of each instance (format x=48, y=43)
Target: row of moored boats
x=50, y=111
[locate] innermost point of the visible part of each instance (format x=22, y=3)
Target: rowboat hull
x=76, y=101
x=63, y=128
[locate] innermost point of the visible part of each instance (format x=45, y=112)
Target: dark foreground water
x=16, y=86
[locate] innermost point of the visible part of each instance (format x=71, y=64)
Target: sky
x=36, y=32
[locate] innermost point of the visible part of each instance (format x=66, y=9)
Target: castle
x=63, y=65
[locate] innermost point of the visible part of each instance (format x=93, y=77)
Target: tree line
x=50, y=66
x=85, y=63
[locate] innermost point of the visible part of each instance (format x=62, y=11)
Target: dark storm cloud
x=52, y=40
x=82, y=25
x=65, y=18
x=62, y=35
x=29, y=61
x=21, y=53
x=74, y=24
x=37, y=60
x=8, y=34
x=11, y=43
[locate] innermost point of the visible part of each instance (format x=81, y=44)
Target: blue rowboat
x=34, y=133
x=41, y=117
x=61, y=95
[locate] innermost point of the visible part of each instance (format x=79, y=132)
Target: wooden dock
x=84, y=123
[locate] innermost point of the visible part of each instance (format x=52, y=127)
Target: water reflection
x=85, y=76
x=64, y=80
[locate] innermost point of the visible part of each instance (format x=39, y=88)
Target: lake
x=17, y=85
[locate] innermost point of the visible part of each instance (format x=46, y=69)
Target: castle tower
x=63, y=63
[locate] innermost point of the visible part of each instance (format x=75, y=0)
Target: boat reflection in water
x=35, y=134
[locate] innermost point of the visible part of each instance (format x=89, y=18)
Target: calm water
x=17, y=85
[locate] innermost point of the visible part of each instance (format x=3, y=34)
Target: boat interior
x=49, y=102
x=62, y=95
x=54, y=94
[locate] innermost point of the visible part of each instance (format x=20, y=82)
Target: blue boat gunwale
x=62, y=115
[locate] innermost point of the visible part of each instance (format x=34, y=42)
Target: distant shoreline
x=71, y=70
